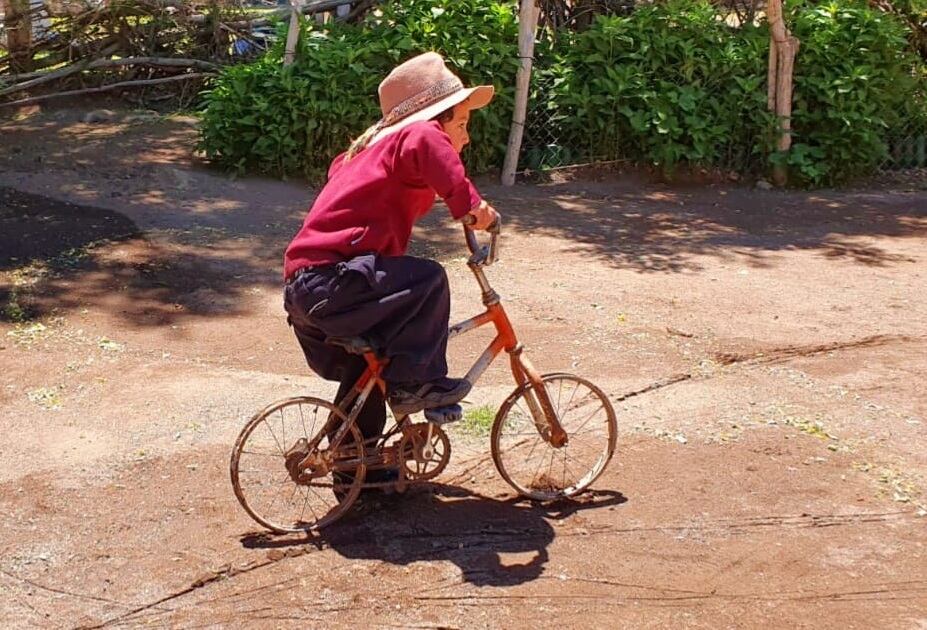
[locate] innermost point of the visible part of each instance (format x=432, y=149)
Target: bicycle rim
x=264, y=486
x=530, y=464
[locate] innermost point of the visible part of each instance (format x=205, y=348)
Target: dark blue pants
x=400, y=304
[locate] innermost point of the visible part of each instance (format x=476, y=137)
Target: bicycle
x=326, y=467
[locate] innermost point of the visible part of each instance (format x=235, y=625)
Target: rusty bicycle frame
x=538, y=400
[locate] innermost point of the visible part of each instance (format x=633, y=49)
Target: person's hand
x=483, y=215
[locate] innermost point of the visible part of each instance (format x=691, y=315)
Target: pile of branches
x=577, y=15
x=143, y=50
x=914, y=14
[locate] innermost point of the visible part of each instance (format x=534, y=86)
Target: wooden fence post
x=292, y=34
x=18, y=34
x=527, y=23
x=783, y=47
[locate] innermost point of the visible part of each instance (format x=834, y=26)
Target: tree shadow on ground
x=667, y=230
x=493, y=542
x=34, y=227
x=56, y=256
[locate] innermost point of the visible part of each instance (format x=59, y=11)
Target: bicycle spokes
x=524, y=454
x=284, y=471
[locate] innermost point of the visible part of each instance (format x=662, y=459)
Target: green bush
x=669, y=83
x=854, y=84
x=271, y=119
x=672, y=83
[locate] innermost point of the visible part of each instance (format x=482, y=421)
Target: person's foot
x=408, y=399
x=383, y=475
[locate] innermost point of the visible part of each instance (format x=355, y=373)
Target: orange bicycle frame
x=538, y=400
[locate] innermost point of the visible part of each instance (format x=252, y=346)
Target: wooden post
x=18, y=34
x=527, y=23
x=292, y=34
x=783, y=47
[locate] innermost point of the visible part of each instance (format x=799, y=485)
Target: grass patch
x=13, y=311
x=108, y=345
x=47, y=397
x=24, y=280
x=28, y=333
x=478, y=420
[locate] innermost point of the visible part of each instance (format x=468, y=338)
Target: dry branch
x=110, y=87
x=168, y=62
x=57, y=74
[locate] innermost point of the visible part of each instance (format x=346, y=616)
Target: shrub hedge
x=670, y=83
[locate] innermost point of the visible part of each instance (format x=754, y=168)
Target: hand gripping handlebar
x=481, y=254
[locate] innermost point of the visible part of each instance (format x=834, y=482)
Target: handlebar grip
x=485, y=255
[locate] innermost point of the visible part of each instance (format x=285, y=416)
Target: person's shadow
x=494, y=542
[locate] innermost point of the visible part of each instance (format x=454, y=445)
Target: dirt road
x=766, y=353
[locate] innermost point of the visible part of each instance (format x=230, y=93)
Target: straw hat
x=420, y=89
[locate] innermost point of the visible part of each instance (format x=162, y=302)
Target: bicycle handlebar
x=485, y=254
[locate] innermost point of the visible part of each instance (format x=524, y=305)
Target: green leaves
x=669, y=83
x=265, y=118
x=660, y=86
x=853, y=85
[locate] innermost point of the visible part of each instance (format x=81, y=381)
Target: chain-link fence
x=552, y=138
x=907, y=147
x=546, y=144
x=550, y=142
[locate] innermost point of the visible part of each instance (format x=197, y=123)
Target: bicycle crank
x=424, y=451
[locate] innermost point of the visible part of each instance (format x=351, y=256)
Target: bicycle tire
x=342, y=505
x=504, y=454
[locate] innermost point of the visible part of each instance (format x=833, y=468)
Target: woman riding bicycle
x=346, y=271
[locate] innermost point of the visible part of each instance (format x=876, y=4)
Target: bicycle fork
x=542, y=410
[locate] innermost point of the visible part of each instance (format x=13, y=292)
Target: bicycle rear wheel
x=535, y=468
x=266, y=477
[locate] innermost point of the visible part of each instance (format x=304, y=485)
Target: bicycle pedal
x=444, y=415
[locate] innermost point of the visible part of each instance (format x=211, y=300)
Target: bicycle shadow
x=488, y=539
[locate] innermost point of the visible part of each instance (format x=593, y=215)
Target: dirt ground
x=766, y=353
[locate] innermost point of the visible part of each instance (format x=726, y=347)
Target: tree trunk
x=528, y=19
x=783, y=47
x=18, y=34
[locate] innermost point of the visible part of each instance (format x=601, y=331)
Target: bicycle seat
x=351, y=345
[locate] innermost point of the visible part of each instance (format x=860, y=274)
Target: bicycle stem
x=542, y=410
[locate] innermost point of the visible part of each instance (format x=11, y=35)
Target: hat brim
x=475, y=98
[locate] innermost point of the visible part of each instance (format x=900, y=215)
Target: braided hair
x=362, y=141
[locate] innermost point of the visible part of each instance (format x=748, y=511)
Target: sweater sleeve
x=427, y=155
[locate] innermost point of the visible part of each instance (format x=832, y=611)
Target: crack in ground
x=59, y=591
x=904, y=589
x=759, y=358
x=197, y=584
x=774, y=355
x=784, y=353
x=483, y=539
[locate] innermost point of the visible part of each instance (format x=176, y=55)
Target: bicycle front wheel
x=265, y=466
x=529, y=463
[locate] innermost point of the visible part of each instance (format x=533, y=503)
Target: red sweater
x=371, y=201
